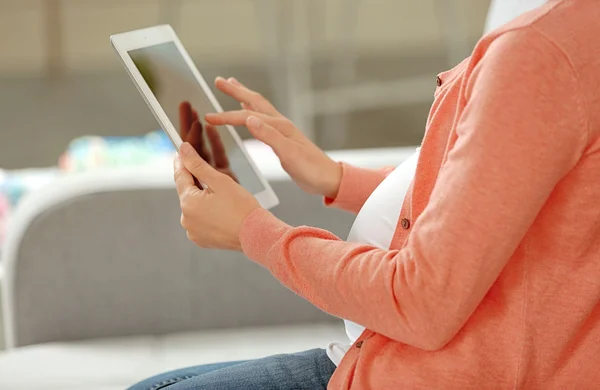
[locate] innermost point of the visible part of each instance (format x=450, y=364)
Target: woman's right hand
x=308, y=165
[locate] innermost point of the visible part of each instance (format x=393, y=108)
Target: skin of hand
x=308, y=165
x=212, y=217
x=192, y=131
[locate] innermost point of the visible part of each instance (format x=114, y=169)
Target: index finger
x=234, y=118
x=246, y=96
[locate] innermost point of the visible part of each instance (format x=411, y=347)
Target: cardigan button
x=359, y=344
x=438, y=81
x=405, y=223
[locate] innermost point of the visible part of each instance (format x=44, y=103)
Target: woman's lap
x=305, y=370
x=163, y=381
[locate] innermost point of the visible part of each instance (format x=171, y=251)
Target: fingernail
x=186, y=149
x=254, y=122
x=233, y=81
x=220, y=78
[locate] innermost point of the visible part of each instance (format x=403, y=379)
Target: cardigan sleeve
x=356, y=186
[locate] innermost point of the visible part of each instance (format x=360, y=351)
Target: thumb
x=199, y=168
x=265, y=133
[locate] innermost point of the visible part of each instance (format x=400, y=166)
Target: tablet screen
x=172, y=83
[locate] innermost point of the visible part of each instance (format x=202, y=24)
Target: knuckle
x=196, y=240
x=184, y=204
x=226, y=179
x=282, y=123
x=198, y=165
x=177, y=174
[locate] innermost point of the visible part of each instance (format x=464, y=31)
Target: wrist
x=333, y=180
x=259, y=233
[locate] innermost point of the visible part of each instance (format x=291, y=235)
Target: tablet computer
x=166, y=77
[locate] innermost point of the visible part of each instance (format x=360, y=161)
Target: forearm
x=384, y=290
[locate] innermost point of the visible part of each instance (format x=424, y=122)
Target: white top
x=375, y=225
x=503, y=11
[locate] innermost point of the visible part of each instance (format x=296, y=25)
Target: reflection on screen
x=172, y=83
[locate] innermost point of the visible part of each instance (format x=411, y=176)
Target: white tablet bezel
x=125, y=42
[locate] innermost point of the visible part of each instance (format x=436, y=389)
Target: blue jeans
x=305, y=370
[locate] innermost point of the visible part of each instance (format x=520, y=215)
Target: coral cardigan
x=493, y=279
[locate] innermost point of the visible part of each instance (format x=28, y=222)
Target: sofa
x=101, y=288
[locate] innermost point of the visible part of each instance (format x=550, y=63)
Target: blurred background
x=95, y=270
x=59, y=78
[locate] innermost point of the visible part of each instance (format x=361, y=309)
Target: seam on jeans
x=161, y=385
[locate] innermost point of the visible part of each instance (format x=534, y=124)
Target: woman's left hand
x=213, y=216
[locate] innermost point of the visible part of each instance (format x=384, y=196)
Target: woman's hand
x=212, y=217
x=192, y=131
x=308, y=165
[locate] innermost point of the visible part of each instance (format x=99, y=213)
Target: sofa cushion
x=116, y=363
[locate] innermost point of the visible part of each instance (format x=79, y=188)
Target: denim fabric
x=305, y=370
